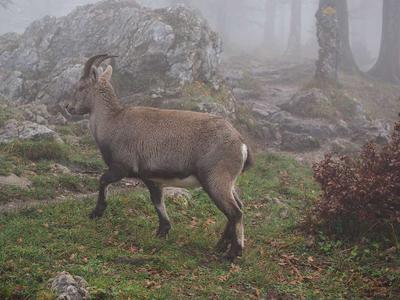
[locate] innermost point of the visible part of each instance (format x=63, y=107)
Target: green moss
x=36, y=150
x=78, y=184
x=202, y=92
x=339, y=104
x=90, y=161
x=6, y=113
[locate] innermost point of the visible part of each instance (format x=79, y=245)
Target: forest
x=187, y=149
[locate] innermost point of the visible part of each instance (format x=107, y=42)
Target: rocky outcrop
x=300, y=119
x=159, y=51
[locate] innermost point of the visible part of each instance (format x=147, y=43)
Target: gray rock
x=310, y=104
x=178, y=195
x=14, y=180
x=68, y=287
x=26, y=130
x=159, y=50
x=344, y=147
x=59, y=119
x=298, y=142
x=40, y=120
x=58, y=168
x=317, y=129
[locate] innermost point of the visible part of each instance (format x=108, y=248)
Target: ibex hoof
x=163, y=231
x=233, y=253
x=222, y=246
x=95, y=214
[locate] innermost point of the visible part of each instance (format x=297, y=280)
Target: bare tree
x=294, y=43
x=346, y=58
x=222, y=18
x=387, y=66
x=269, y=23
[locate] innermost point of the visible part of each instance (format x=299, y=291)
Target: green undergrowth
x=121, y=259
x=36, y=161
x=6, y=113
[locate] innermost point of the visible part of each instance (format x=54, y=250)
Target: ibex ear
x=94, y=75
x=107, y=74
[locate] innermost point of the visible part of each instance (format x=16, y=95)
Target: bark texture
x=387, y=67
x=328, y=40
x=347, y=62
x=294, y=43
x=269, y=24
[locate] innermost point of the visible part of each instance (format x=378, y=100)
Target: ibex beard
x=164, y=148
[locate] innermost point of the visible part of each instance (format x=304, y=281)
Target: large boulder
x=159, y=51
x=26, y=130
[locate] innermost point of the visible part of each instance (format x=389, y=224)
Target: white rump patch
x=188, y=182
x=245, y=152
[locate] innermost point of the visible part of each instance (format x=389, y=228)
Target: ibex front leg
x=114, y=174
x=158, y=201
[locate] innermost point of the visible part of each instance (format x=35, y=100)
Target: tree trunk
x=294, y=43
x=387, y=67
x=269, y=24
x=328, y=40
x=222, y=19
x=346, y=58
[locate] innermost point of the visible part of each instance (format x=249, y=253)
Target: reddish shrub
x=363, y=193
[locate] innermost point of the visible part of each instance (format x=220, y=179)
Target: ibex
x=163, y=148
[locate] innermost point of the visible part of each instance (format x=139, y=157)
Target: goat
x=163, y=148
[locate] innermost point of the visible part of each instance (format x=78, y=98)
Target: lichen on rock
x=158, y=50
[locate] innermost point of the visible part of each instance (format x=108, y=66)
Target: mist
x=199, y=149
x=242, y=24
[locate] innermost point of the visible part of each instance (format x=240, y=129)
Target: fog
x=246, y=26
x=282, y=113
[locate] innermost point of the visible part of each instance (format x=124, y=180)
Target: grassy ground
x=121, y=259
x=37, y=161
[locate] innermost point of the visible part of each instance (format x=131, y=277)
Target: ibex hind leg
x=221, y=193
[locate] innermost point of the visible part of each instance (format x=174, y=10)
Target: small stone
x=61, y=169
x=178, y=195
x=14, y=180
x=69, y=287
x=40, y=120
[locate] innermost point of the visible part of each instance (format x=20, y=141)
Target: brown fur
x=159, y=145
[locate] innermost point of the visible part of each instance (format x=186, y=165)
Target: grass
x=47, y=187
x=36, y=149
x=6, y=113
x=35, y=160
x=120, y=258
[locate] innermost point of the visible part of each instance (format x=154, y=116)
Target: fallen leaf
x=133, y=249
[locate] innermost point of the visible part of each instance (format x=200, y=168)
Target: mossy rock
x=329, y=104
